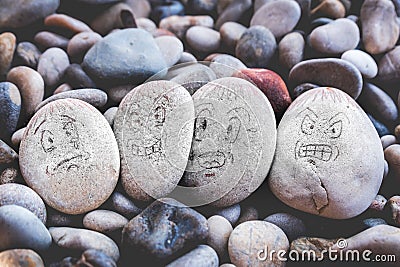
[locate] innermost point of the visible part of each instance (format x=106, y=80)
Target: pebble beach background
x=199, y=133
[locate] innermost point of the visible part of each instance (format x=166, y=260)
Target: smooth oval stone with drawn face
x=154, y=127
x=69, y=156
x=233, y=143
x=334, y=154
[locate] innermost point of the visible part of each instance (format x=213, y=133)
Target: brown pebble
x=392, y=156
x=31, y=87
x=8, y=175
x=46, y=40
x=110, y=19
x=7, y=48
x=394, y=205
x=378, y=204
x=180, y=24
x=219, y=231
x=81, y=43
x=17, y=136
x=104, y=221
x=388, y=140
x=7, y=154
x=389, y=67
x=66, y=22
x=64, y=87
x=329, y=8
x=314, y=244
x=20, y=258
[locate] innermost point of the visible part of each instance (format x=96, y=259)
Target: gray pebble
x=171, y=48
x=219, y=231
x=75, y=76
x=291, y=225
x=230, y=34
x=104, y=221
x=109, y=114
x=52, y=64
x=45, y=40
x=203, y=39
x=28, y=54
x=17, y=137
x=363, y=61
x=291, y=49
x=202, y=256
x=124, y=205
x=7, y=154
x=388, y=140
x=10, y=107
x=180, y=24
x=231, y=213
x=389, y=67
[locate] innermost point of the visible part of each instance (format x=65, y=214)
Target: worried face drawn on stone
x=60, y=140
x=146, y=127
x=212, y=142
x=319, y=135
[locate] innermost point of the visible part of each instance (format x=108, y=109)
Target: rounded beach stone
x=248, y=213
x=110, y=115
x=80, y=43
x=19, y=13
x=388, y=140
x=202, y=256
x=27, y=54
x=62, y=88
x=96, y=258
x=333, y=72
x=7, y=154
x=20, y=258
x=234, y=131
x=219, y=231
x=153, y=128
x=363, y=62
x=225, y=65
x=171, y=48
x=292, y=226
x=20, y=228
x=9, y=175
x=165, y=228
x=124, y=205
x=335, y=37
x=52, y=64
x=316, y=138
x=180, y=24
x=110, y=19
x=104, y=221
x=256, y=47
x=271, y=84
x=7, y=46
x=389, y=66
x=280, y=16
x=329, y=8
x=230, y=34
x=291, y=49
x=233, y=12
x=75, y=76
x=203, y=39
x=46, y=40
x=117, y=93
x=146, y=24
x=378, y=204
x=30, y=85
x=378, y=103
x=249, y=238
x=21, y=195
x=66, y=22
x=76, y=162
x=392, y=156
x=94, y=97
x=124, y=56
x=82, y=239
x=394, y=206
x=231, y=213
x=380, y=29
x=304, y=87
x=10, y=107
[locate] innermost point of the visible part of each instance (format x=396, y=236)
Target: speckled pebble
x=104, y=221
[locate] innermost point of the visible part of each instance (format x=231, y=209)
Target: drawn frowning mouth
x=145, y=150
x=318, y=151
x=69, y=163
x=210, y=160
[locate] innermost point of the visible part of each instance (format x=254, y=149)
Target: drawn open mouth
x=146, y=150
x=321, y=152
x=209, y=160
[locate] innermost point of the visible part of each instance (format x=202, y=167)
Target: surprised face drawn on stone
x=318, y=136
x=60, y=140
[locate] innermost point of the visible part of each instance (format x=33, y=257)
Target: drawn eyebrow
x=308, y=110
x=37, y=128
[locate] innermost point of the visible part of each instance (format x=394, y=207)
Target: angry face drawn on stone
x=59, y=138
x=318, y=136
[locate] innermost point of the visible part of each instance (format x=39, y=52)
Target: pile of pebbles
x=197, y=132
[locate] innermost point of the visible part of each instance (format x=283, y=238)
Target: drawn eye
x=308, y=125
x=334, y=130
x=47, y=141
x=233, y=129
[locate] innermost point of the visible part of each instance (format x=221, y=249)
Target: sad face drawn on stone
x=60, y=140
x=319, y=135
x=212, y=141
x=146, y=128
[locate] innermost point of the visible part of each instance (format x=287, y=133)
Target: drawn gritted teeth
x=322, y=152
x=211, y=159
x=146, y=151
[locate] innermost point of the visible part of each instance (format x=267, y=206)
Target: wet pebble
x=202, y=256
x=249, y=238
x=256, y=47
x=20, y=228
x=219, y=231
x=76, y=164
x=363, y=61
x=10, y=107
x=171, y=48
x=380, y=29
x=335, y=37
x=203, y=39
x=291, y=225
x=7, y=45
x=21, y=195
x=291, y=49
x=27, y=54
x=104, y=221
x=333, y=72
x=20, y=258
x=82, y=239
x=51, y=66
x=280, y=16
x=161, y=231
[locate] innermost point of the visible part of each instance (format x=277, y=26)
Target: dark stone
x=124, y=205
x=27, y=54
x=379, y=126
x=10, y=107
x=204, y=7
x=165, y=228
x=76, y=77
x=166, y=9
x=291, y=225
